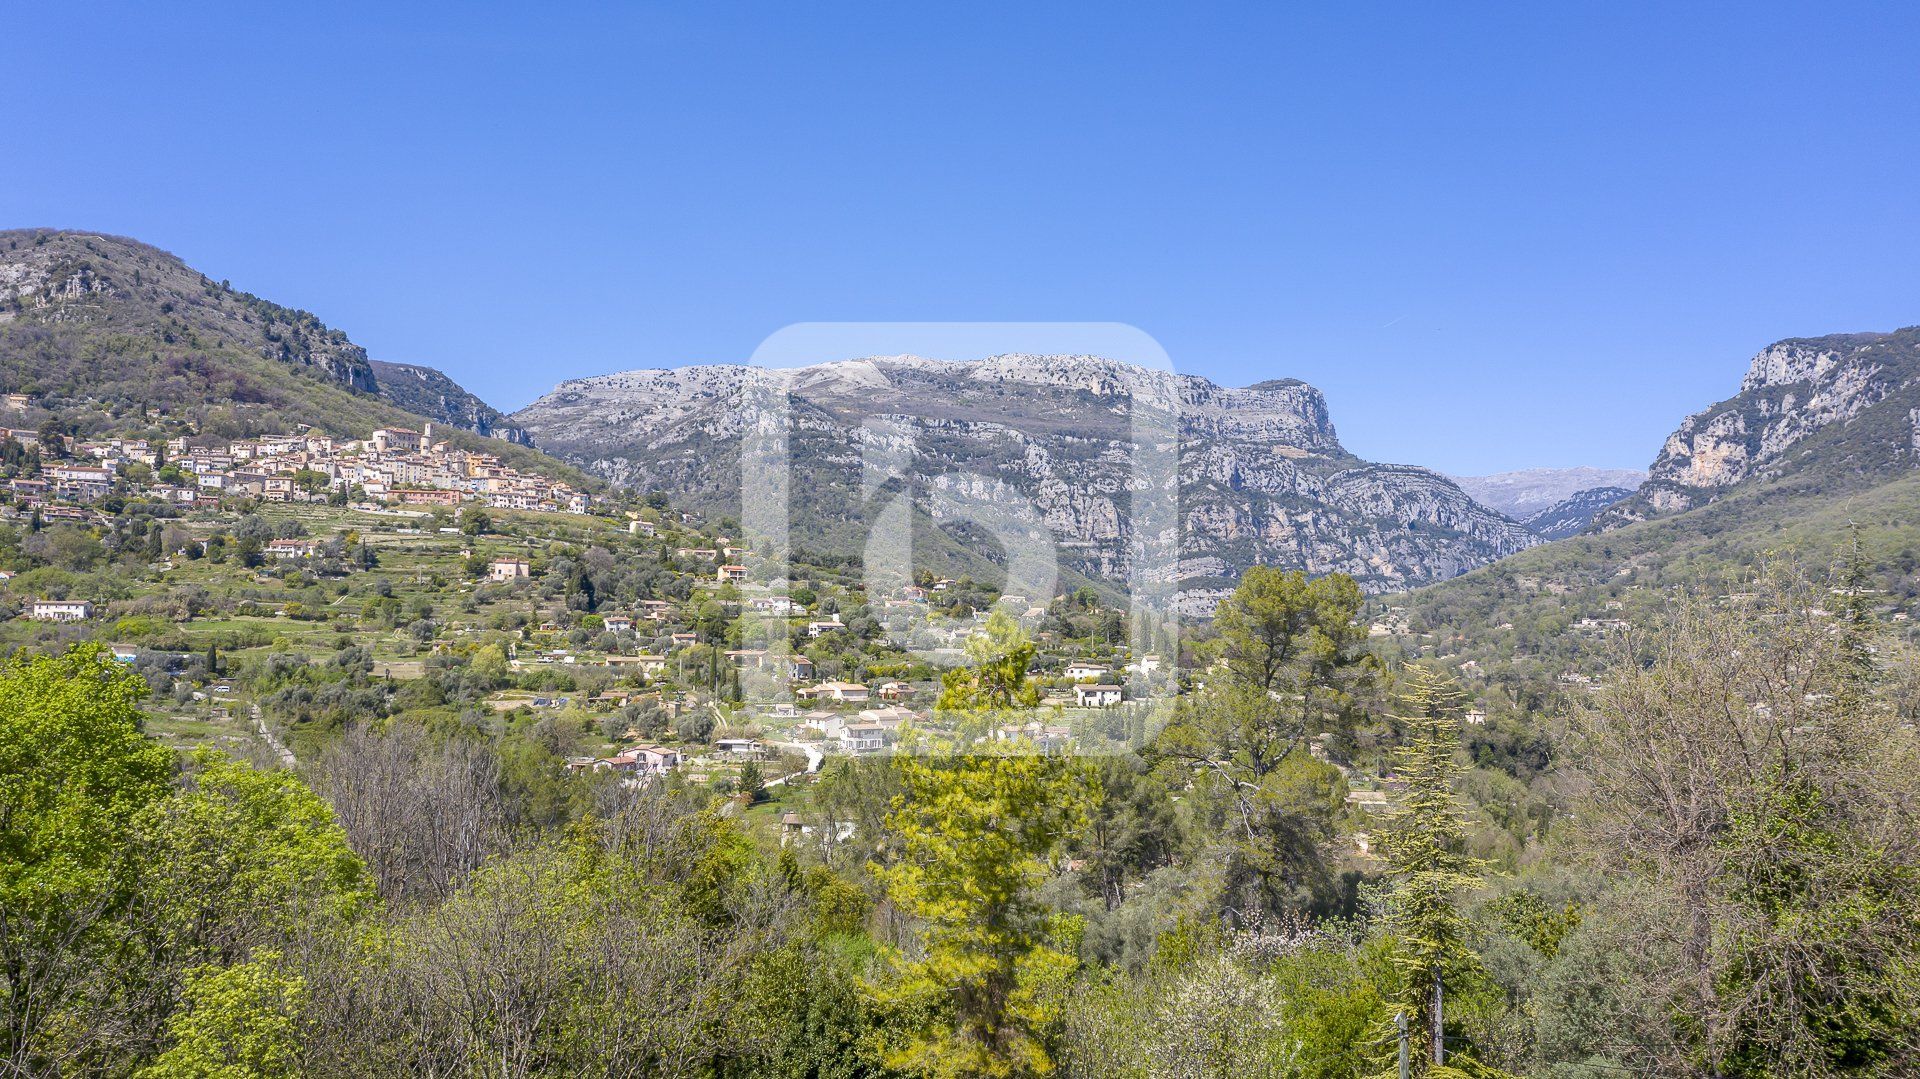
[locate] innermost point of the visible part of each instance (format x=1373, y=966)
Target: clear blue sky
x=1496, y=236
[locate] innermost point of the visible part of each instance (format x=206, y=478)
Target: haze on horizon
x=1495, y=240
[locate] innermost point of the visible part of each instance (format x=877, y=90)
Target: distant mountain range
x=1262, y=475
x=1574, y=514
x=1526, y=492
x=1553, y=503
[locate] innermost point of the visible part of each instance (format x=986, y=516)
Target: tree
x=976, y=819
x=752, y=783
x=310, y=480
x=75, y=772
x=240, y=1022
x=975, y=830
x=996, y=683
x=475, y=521
x=1425, y=849
x=1754, y=788
x=1292, y=666
x=1298, y=640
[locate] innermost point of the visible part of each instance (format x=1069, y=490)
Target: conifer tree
x=976, y=821
x=1425, y=849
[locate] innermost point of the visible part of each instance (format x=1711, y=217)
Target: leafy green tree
x=996, y=682
x=475, y=520
x=240, y=858
x=75, y=773
x=240, y=1022
x=975, y=831
x=1425, y=849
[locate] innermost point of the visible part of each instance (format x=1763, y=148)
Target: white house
x=1091, y=695
x=863, y=737
x=61, y=610
x=1081, y=670
x=291, y=548
x=508, y=569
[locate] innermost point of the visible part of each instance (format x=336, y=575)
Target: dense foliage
x=1739, y=894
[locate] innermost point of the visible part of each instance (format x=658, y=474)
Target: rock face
x=102, y=284
x=429, y=393
x=1839, y=408
x=1262, y=476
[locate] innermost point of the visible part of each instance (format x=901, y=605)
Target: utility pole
x=1406, y=1063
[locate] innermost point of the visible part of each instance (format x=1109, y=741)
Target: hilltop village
x=393, y=466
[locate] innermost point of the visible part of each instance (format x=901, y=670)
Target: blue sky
x=1496, y=236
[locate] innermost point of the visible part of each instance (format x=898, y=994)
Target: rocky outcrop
x=1836, y=404
x=1262, y=475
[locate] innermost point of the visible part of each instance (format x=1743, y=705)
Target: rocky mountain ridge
x=1262, y=475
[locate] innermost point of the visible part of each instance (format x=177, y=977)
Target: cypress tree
x=1425, y=850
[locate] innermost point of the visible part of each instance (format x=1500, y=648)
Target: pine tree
x=976, y=823
x=1856, y=610
x=1425, y=849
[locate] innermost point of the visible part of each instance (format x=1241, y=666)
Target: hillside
x=110, y=335
x=1816, y=451
x=1551, y=610
x=1262, y=475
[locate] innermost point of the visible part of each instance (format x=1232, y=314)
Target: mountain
x=1262, y=475
x=426, y=392
x=1834, y=413
x=110, y=335
x=1530, y=491
x=1816, y=453
x=1572, y=515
